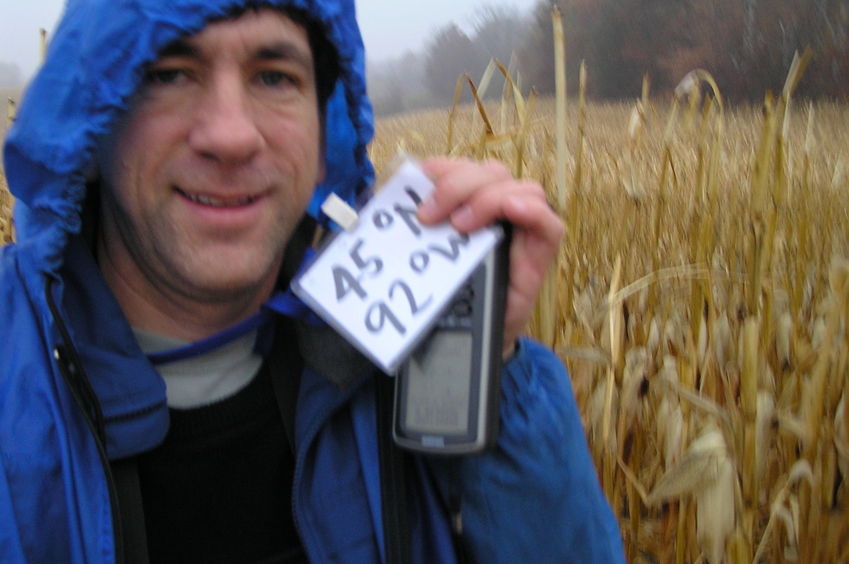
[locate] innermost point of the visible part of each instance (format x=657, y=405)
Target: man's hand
x=473, y=195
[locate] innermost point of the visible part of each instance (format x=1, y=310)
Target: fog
x=389, y=27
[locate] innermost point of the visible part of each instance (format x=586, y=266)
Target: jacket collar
x=130, y=392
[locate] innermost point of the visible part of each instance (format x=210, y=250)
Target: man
x=164, y=160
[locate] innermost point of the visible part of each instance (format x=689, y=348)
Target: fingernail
x=518, y=204
x=427, y=208
x=463, y=216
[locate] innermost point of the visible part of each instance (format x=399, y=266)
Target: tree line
x=747, y=45
x=424, y=79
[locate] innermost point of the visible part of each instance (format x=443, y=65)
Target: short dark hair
x=324, y=55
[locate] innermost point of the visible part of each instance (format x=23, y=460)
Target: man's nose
x=225, y=128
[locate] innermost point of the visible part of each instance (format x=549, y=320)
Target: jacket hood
x=95, y=63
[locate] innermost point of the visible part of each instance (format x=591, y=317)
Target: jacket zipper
x=68, y=360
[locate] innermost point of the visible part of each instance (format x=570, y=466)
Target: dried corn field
x=9, y=97
x=5, y=212
x=701, y=302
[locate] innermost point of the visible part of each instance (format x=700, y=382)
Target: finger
x=535, y=218
x=455, y=182
x=536, y=242
x=522, y=203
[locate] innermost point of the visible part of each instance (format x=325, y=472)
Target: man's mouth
x=217, y=202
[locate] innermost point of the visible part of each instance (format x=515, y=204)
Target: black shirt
x=218, y=489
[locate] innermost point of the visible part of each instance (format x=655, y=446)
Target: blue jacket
x=534, y=498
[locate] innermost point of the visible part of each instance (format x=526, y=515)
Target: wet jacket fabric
x=77, y=393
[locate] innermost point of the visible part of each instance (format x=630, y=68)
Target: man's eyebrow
x=179, y=48
x=285, y=51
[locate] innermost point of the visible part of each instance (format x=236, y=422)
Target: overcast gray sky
x=389, y=27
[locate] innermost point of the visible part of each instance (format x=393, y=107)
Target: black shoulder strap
x=393, y=482
x=285, y=365
x=125, y=474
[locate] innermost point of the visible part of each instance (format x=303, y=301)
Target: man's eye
x=275, y=78
x=163, y=76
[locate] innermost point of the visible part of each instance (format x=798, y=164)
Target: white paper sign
x=383, y=284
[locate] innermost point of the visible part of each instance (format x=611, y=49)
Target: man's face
x=215, y=162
